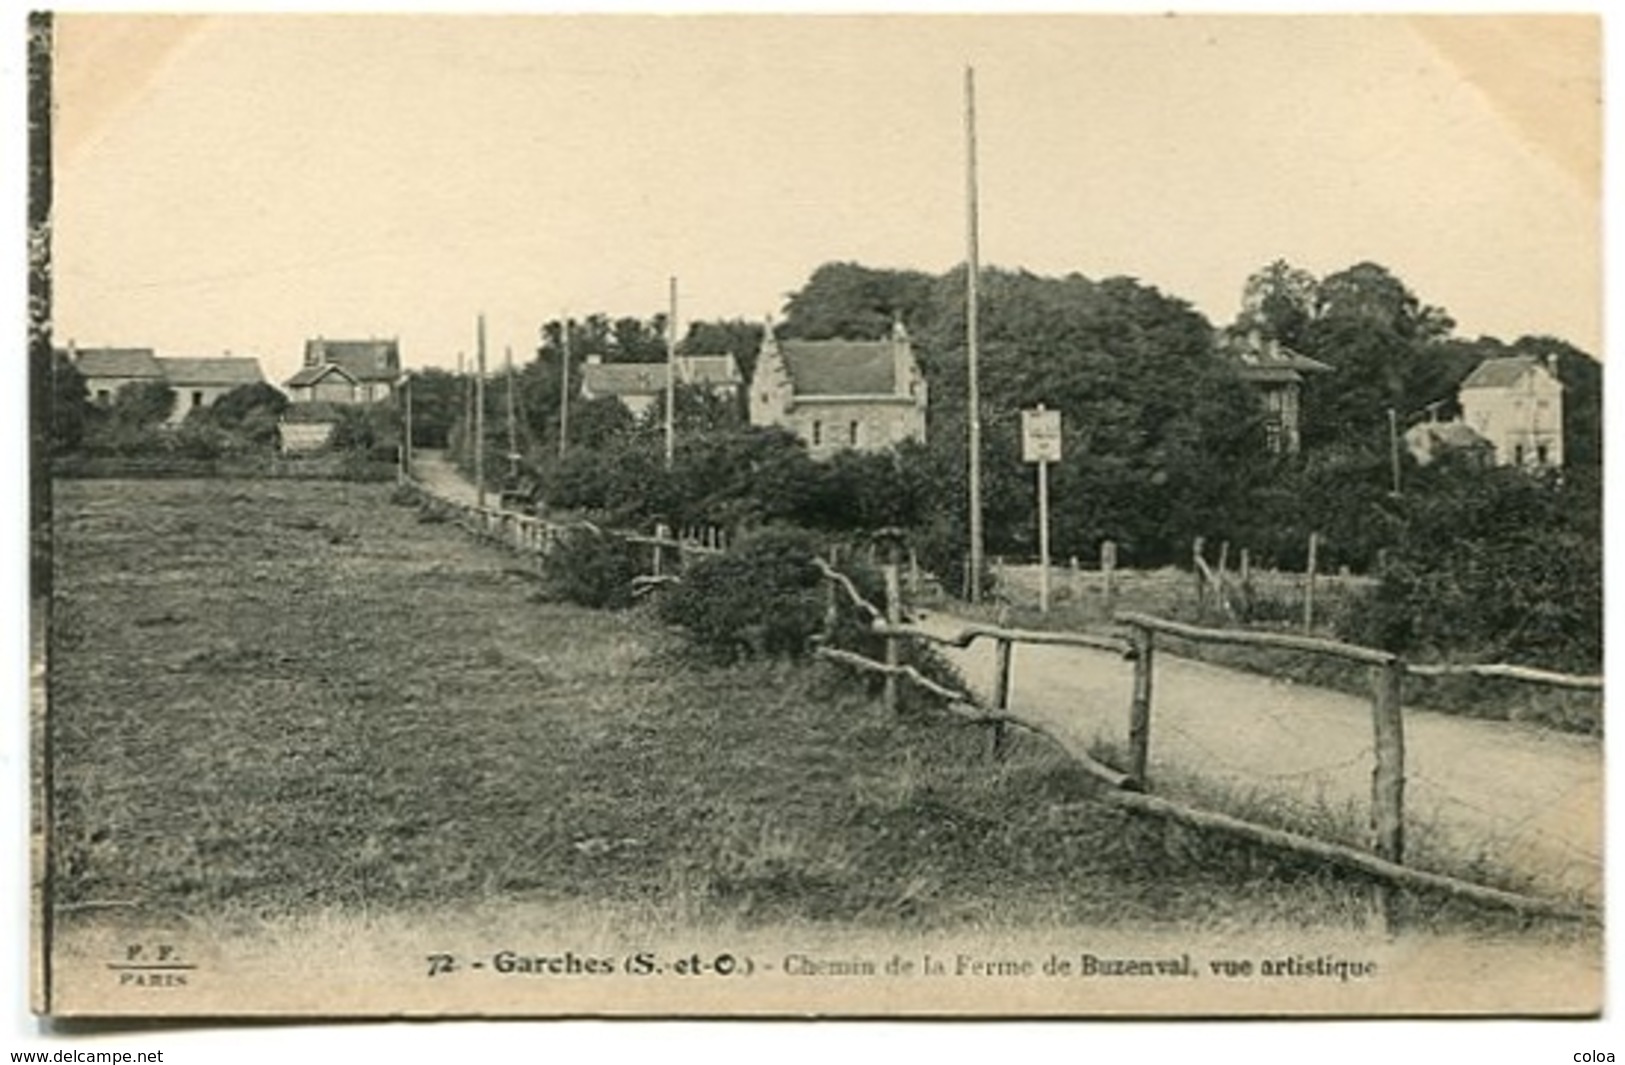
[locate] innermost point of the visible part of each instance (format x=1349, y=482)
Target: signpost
x=1041, y=444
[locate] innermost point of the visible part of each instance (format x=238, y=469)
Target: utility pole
x=513, y=420
x=406, y=441
x=1393, y=446
x=974, y=403
x=564, y=386
x=479, y=419
x=671, y=377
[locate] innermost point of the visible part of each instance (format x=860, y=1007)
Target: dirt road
x=439, y=476
x=1504, y=796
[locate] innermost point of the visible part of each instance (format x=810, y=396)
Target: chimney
x=902, y=359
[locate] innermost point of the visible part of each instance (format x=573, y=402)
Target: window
x=197, y=400
x=1541, y=455
x=818, y=434
x=1517, y=455
x=104, y=396
x=854, y=434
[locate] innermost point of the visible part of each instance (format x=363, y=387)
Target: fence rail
x=1128, y=787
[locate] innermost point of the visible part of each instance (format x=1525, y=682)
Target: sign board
x=1041, y=435
x=305, y=436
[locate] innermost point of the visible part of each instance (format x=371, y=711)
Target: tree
x=852, y=302
x=1280, y=302
x=68, y=408
x=143, y=404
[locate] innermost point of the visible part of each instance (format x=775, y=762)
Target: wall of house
x=828, y=427
x=190, y=397
x=103, y=389
x=1524, y=421
x=332, y=389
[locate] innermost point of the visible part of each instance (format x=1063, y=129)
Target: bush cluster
x=592, y=568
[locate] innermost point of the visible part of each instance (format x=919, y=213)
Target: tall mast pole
x=564, y=386
x=973, y=399
x=513, y=420
x=671, y=377
x=479, y=419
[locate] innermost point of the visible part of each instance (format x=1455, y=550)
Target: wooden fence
x=1129, y=786
x=669, y=551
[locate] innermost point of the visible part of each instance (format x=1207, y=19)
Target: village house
x=1431, y=440
x=346, y=371
x=1516, y=403
x=1276, y=372
x=106, y=370
x=835, y=394
x=640, y=385
x=197, y=382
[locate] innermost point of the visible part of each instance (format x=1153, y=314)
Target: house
x=346, y=371
x=836, y=394
x=1516, y=403
x=640, y=385
x=199, y=382
x=1276, y=372
x=106, y=370
x=1431, y=440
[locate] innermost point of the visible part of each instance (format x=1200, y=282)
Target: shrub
x=592, y=568
x=763, y=597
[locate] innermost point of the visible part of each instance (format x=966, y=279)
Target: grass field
x=272, y=699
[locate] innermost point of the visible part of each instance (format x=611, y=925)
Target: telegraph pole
x=974, y=403
x=406, y=443
x=513, y=420
x=671, y=377
x=479, y=419
x=1393, y=446
x=564, y=386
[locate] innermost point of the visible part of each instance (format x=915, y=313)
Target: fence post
x=894, y=618
x=1309, y=583
x=1388, y=777
x=1139, y=722
x=1001, y=693
x=1108, y=574
x=1196, y=569
x=661, y=533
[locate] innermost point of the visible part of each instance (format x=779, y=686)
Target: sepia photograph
x=784, y=515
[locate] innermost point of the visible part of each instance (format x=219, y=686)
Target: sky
x=242, y=183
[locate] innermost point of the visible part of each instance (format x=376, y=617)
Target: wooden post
x=913, y=573
x=1388, y=778
x=1196, y=568
x=1139, y=722
x=894, y=617
x=1309, y=583
x=1246, y=567
x=1043, y=534
x=479, y=419
x=406, y=443
x=661, y=533
x=1001, y=694
x=832, y=605
x=1108, y=574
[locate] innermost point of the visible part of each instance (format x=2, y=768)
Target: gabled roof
x=708, y=371
x=840, y=367
x=311, y=374
x=118, y=362
x=1262, y=360
x=1500, y=373
x=215, y=372
x=363, y=360
x=1448, y=434
x=624, y=378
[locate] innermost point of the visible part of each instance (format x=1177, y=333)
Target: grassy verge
x=273, y=699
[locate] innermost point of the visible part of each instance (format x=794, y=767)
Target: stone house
x=1516, y=403
x=1276, y=372
x=199, y=382
x=837, y=394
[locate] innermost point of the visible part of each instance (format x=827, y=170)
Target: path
x=439, y=476
x=1510, y=796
